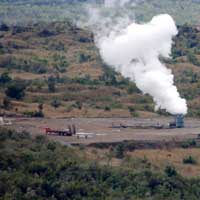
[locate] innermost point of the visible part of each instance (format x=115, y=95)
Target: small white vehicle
x=5, y=122
x=84, y=135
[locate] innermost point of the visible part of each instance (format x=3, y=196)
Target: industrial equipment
x=178, y=122
x=66, y=132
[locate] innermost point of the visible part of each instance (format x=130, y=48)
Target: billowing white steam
x=135, y=52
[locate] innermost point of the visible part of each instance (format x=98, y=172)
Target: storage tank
x=179, y=119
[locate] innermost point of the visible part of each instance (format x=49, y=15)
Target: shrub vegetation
x=36, y=168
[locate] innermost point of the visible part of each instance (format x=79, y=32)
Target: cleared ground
x=164, y=152
x=100, y=130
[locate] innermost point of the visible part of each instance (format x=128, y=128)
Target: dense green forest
x=36, y=168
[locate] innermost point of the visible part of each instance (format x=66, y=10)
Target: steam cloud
x=135, y=52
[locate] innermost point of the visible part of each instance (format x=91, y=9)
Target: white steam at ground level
x=135, y=52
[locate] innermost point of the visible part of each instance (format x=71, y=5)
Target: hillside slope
x=36, y=168
x=57, y=70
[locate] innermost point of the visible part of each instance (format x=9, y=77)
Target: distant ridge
x=21, y=11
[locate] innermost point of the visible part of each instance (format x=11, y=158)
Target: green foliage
x=51, y=146
x=84, y=58
x=78, y=105
x=41, y=139
x=131, y=109
x=84, y=39
x=41, y=169
x=6, y=134
x=189, y=143
x=56, y=103
x=34, y=113
x=170, y=171
x=34, y=64
x=119, y=151
x=189, y=160
x=56, y=46
x=109, y=76
x=107, y=108
x=116, y=105
x=193, y=59
x=5, y=78
x=189, y=77
x=86, y=80
x=51, y=84
x=60, y=63
x=135, y=114
x=132, y=89
x=16, y=90
x=38, y=114
x=6, y=103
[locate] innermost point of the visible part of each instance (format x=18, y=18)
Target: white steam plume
x=135, y=51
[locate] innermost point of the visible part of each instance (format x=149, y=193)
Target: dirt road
x=99, y=129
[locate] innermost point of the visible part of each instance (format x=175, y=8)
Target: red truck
x=62, y=132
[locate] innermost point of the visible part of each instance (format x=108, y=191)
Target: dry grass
x=81, y=70
x=157, y=159
x=101, y=157
x=161, y=158
x=180, y=67
x=147, y=114
x=27, y=75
